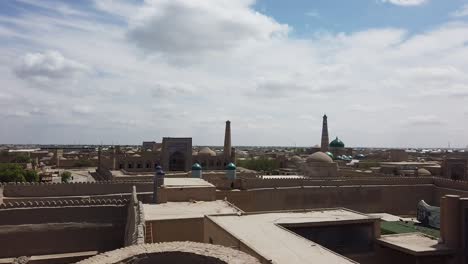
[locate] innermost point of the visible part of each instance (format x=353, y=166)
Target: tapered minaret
x=325, y=141
x=227, y=142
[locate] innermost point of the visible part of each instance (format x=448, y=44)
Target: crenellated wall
x=395, y=199
x=72, y=189
x=256, y=183
x=53, y=229
x=135, y=226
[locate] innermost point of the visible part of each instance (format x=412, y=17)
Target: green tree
x=21, y=158
x=11, y=173
x=66, y=176
x=259, y=164
x=31, y=176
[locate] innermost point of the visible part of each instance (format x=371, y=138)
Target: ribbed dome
x=207, y=151
x=296, y=159
x=319, y=157
x=337, y=143
x=231, y=166
x=424, y=172
x=196, y=166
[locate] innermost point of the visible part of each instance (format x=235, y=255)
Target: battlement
x=256, y=183
x=64, y=203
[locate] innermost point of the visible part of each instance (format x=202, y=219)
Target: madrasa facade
x=172, y=154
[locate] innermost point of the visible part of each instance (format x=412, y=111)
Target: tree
x=21, y=158
x=259, y=164
x=66, y=176
x=11, y=173
x=31, y=176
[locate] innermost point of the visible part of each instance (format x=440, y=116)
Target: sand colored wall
x=187, y=194
x=395, y=199
x=255, y=183
x=39, y=231
x=177, y=230
x=73, y=189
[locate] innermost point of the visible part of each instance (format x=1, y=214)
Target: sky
x=388, y=73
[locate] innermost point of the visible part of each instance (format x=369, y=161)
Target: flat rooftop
x=183, y=210
x=263, y=233
x=186, y=182
x=283, y=177
x=416, y=244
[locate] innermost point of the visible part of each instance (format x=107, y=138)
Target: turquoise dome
x=231, y=166
x=337, y=143
x=196, y=166
x=330, y=154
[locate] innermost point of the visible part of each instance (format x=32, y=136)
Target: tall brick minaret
x=325, y=141
x=227, y=142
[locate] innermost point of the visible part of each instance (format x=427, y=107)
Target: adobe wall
x=394, y=199
x=135, y=224
x=256, y=183
x=177, y=230
x=72, y=189
x=188, y=193
x=52, y=230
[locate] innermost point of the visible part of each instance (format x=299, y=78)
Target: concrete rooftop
x=186, y=182
x=180, y=210
x=262, y=232
x=416, y=244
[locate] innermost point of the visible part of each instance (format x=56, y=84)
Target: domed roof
x=50, y=154
x=196, y=166
x=330, y=154
x=231, y=166
x=337, y=143
x=424, y=172
x=207, y=151
x=319, y=157
x=296, y=159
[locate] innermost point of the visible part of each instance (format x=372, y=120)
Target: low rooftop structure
x=417, y=244
x=181, y=221
x=285, y=237
x=184, y=210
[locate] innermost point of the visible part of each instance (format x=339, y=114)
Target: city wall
x=135, y=225
x=256, y=183
x=72, y=189
x=395, y=199
x=61, y=229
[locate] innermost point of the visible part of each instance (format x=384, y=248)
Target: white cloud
x=406, y=2
x=462, y=12
x=183, y=27
x=122, y=85
x=47, y=66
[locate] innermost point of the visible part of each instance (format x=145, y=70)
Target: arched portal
x=177, y=161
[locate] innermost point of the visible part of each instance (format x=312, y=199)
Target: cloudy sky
x=386, y=72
